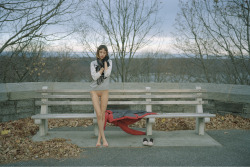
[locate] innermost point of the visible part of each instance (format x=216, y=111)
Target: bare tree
x=19, y=65
x=190, y=36
x=22, y=21
x=217, y=29
x=126, y=26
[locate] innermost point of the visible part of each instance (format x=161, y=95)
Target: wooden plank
x=154, y=102
x=124, y=91
x=121, y=102
x=184, y=115
x=84, y=91
x=90, y=115
x=178, y=90
x=172, y=96
x=160, y=90
x=64, y=91
x=65, y=96
x=54, y=116
x=52, y=103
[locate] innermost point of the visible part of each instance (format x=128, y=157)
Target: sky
x=167, y=13
x=162, y=42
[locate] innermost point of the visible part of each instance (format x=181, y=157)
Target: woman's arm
x=95, y=75
x=107, y=70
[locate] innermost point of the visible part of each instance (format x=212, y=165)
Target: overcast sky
x=163, y=42
x=167, y=13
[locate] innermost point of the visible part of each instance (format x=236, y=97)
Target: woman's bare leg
x=104, y=103
x=99, y=114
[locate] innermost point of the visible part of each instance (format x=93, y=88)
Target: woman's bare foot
x=98, y=144
x=105, y=144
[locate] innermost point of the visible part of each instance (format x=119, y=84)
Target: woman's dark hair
x=100, y=48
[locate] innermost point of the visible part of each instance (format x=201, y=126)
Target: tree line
x=65, y=67
x=214, y=34
x=220, y=28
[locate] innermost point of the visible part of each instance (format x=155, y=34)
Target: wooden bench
x=146, y=97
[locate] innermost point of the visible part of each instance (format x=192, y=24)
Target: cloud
x=162, y=44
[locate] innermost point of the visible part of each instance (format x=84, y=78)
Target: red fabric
x=123, y=122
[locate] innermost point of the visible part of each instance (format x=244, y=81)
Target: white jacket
x=95, y=75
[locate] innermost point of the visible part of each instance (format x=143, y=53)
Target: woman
x=100, y=72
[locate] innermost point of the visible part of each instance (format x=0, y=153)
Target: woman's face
x=102, y=53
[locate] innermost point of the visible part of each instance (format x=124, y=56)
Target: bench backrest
x=147, y=97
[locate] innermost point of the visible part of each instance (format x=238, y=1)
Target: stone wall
x=18, y=100
x=16, y=109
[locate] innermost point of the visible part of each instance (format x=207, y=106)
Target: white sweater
x=95, y=75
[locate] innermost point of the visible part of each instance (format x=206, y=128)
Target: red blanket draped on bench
x=123, y=118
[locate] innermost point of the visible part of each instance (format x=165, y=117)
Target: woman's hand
x=101, y=70
x=105, y=65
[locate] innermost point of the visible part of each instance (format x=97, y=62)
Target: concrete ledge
x=118, y=138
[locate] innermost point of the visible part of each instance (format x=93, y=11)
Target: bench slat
x=154, y=102
x=172, y=96
x=125, y=91
x=160, y=90
x=184, y=115
x=52, y=116
x=120, y=102
x=92, y=115
x=191, y=96
x=64, y=96
x=63, y=91
x=55, y=103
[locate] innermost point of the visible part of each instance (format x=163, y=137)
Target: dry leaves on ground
x=53, y=123
x=16, y=145
x=228, y=122
x=216, y=123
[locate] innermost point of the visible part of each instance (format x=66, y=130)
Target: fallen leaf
x=5, y=132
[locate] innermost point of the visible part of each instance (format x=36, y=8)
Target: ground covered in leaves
x=16, y=143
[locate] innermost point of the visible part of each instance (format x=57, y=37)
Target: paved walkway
x=84, y=137
x=179, y=148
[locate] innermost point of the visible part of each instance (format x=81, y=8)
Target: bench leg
x=149, y=124
x=200, y=126
x=43, y=127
